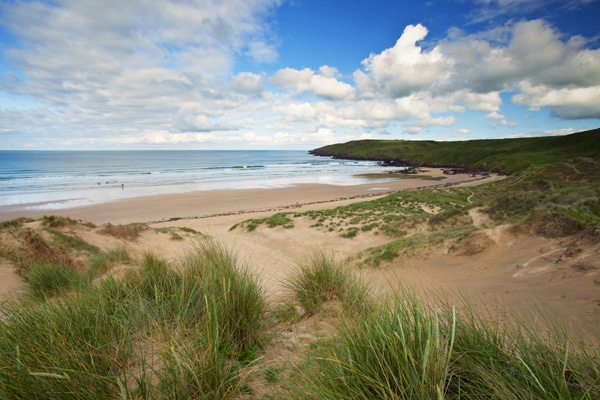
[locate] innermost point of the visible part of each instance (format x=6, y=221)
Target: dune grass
x=396, y=351
x=553, y=200
x=103, y=261
x=197, y=329
x=405, y=349
x=279, y=219
x=128, y=232
x=46, y=280
x=162, y=331
x=71, y=242
x=321, y=278
x=56, y=221
x=14, y=223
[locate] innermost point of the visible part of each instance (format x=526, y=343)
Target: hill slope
x=498, y=155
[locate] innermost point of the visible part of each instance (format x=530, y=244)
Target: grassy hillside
x=505, y=155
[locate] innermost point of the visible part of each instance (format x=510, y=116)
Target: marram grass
x=320, y=278
x=199, y=319
x=399, y=350
x=408, y=350
x=195, y=329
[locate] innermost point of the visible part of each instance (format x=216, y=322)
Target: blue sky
x=293, y=74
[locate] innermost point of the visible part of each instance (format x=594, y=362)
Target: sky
x=293, y=74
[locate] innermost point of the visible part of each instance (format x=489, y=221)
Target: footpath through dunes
x=496, y=267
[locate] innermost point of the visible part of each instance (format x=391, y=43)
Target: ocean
x=64, y=179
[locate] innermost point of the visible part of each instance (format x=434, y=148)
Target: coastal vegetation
x=494, y=155
x=202, y=328
x=553, y=200
x=99, y=321
x=160, y=331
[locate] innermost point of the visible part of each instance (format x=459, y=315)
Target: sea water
x=63, y=179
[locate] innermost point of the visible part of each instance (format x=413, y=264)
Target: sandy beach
x=204, y=204
x=514, y=270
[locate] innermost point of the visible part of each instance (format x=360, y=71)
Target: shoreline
x=212, y=203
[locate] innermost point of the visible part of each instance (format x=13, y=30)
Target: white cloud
x=404, y=68
x=473, y=70
x=248, y=83
x=509, y=124
x=321, y=136
x=495, y=115
x=456, y=108
x=413, y=130
x=191, y=119
x=306, y=80
x=568, y=103
x=162, y=72
x=329, y=72
x=484, y=102
x=119, y=64
x=262, y=52
x=294, y=111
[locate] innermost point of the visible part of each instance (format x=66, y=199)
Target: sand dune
x=495, y=266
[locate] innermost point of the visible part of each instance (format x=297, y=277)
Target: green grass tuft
x=71, y=242
x=161, y=331
x=48, y=280
x=280, y=219
x=56, y=221
x=102, y=262
x=405, y=349
x=322, y=278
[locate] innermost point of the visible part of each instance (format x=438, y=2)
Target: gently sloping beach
x=203, y=204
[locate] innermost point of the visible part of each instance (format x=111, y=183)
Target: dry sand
x=204, y=204
x=519, y=271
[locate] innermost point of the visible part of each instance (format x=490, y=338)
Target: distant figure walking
x=122, y=186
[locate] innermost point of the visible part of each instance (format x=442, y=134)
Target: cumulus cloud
x=307, y=81
x=248, y=83
x=472, y=70
x=404, y=68
x=162, y=72
x=568, y=103
x=191, y=119
x=133, y=63
x=495, y=115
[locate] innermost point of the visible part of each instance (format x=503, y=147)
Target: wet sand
x=204, y=204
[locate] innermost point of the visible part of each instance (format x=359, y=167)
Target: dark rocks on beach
x=412, y=166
